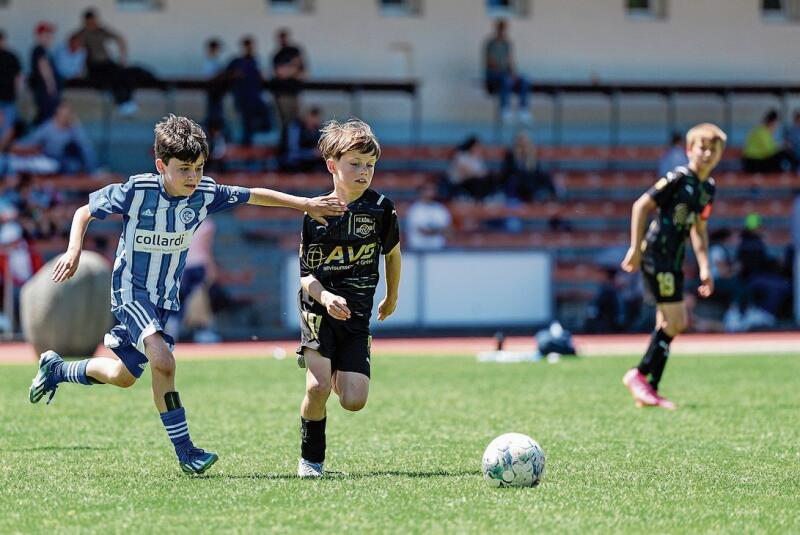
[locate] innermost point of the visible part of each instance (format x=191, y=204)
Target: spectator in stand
x=501, y=75
x=428, y=222
x=288, y=72
x=214, y=71
x=63, y=140
x=524, y=178
x=246, y=85
x=792, y=136
x=102, y=69
x=70, y=58
x=298, y=152
x=674, y=156
x=19, y=257
x=10, y=84
x=44, y=81
x=468, y=173
x=762, y=153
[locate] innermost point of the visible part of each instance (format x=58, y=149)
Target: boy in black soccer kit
x=683, y=198
x=338, y=276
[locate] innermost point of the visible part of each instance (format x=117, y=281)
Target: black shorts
x=662, y=285
x=345, y=343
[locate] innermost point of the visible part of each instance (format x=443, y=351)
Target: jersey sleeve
x=305, y=242
x=112, y=199
x=226, y=197
x=662, y=190
x=390, y=229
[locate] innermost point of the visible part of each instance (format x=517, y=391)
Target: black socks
x=312, y=444
x=655, y=359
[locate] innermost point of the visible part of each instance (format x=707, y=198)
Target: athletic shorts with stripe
x=345, y=343
x=137, y=320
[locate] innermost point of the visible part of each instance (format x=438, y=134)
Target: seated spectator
x=674, y=156
x=246, y=86
x=427, y=221
x=524, y=178
x=117, y=76
x=298, y=152
x=501, y=75
x=288, y=72
x=19, y=258
x=44, y=80
x=70, y=58
x=762, y=153
x=468, y=173
x=63, y=140
x=792, y=136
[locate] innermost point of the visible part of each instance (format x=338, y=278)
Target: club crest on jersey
x=363, y=225
x=187, y=215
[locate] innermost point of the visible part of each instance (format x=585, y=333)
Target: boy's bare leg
x=352, y=389
x=192, y=460
x=110, y=371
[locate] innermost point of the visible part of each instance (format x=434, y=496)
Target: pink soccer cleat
x=664, y=403
x=640, y=389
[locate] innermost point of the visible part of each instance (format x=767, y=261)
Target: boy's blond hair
x=705, y=131
x=338, y=138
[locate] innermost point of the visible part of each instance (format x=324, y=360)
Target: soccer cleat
x=664, y=403
x=197, y=461
x=640, y=389
x=309, y=469
x=45, y=380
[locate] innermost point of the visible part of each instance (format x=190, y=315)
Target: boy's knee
x=352, y=403
x=319, y=389
x=674, y=328
x=163, y=363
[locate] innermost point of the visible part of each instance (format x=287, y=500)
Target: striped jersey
x=156, y=233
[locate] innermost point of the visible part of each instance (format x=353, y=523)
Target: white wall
x=456, y=289
x=562, y=39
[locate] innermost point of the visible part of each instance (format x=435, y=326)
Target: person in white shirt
x=428, y=221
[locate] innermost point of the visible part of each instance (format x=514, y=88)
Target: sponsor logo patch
x=147, y=241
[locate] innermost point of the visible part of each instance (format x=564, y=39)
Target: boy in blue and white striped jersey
x=160, y=213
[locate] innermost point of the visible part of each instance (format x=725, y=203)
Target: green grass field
x=728, y=461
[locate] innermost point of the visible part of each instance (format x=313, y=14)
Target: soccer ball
x=513, y=460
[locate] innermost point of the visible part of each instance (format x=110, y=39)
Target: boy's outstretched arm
x=639, y=215
x=699, y=237
x=336, y=305
x=67, y=265
x=317, y=207
x=393, y=263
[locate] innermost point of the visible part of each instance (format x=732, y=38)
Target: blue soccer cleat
x=197, y=460
x=45, y=380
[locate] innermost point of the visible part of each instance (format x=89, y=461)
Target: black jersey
x=681, y=198
x=344, y=256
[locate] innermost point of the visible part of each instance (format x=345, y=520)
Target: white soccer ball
x=513, y=460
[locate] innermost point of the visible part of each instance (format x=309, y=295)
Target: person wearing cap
x=44, y=81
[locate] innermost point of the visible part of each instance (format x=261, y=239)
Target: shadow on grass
x=56, y=448
x=357, y=475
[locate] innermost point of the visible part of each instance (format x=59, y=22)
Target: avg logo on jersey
x=147, y=241
x=340, y=255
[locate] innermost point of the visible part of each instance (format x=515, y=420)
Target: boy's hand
x=386, y=308
x=632, y=260
x=336, y=305
x=66, y=266
x=327, y=205
x=706, y=287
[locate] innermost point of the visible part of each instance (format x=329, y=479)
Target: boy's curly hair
x=181, y=138
x=338, y=138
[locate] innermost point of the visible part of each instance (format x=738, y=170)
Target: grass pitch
x=98, y=459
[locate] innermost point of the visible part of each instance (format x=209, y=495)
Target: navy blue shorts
x=137, y=320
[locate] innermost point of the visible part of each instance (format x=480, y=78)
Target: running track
x=587, y=345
